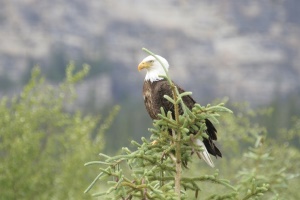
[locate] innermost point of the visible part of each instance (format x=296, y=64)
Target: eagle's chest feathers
x=151, y=99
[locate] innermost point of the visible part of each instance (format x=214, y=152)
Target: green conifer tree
x=155, y=169
x=42, y=145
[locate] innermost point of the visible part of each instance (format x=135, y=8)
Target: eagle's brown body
x=153, y=93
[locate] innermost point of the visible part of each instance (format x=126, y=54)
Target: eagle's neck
x=154, y=75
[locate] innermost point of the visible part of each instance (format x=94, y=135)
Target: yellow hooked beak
x=144, y=65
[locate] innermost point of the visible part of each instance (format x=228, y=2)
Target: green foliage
x=42, y=146
x=267, y=169
x=269, y=166
x=149, y=171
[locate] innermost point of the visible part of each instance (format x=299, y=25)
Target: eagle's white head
x=153, y=67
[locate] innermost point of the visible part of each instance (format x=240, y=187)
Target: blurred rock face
x=247, y=50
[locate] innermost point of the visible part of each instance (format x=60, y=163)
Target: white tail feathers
x=204, y=154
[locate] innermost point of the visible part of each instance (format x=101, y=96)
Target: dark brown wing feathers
x=153, y=97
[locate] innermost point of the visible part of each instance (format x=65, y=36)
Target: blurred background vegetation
x=247, y=51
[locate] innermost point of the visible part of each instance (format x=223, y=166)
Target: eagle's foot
x=154, y=142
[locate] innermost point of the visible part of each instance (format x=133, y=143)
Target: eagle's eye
x=151, y=61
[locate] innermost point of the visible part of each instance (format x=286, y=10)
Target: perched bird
x=154, y=89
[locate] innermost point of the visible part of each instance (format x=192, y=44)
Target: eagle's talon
x=154, y=142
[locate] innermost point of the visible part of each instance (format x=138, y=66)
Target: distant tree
x=42, y=145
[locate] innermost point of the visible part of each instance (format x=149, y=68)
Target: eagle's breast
x=149, y=99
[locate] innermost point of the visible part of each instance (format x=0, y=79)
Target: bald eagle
x=154, y=89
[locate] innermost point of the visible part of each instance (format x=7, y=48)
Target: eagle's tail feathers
x=204, y=153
